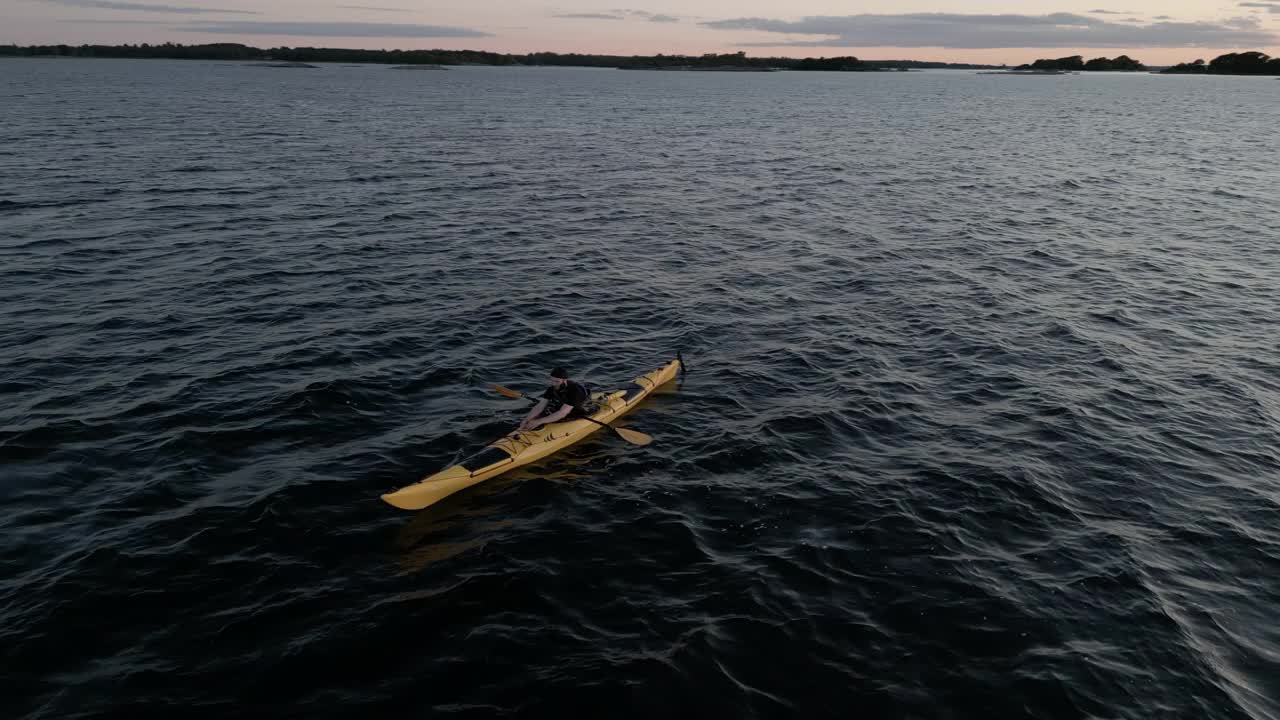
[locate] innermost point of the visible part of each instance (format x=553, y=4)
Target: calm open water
x=981, y=422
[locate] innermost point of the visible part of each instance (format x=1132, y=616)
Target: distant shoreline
x=1236, y=63
x=729, y=62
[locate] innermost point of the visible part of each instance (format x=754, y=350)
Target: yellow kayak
x=522, y=447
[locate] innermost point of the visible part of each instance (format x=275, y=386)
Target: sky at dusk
x=990, y=31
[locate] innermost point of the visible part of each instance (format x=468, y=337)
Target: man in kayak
x=565, y=399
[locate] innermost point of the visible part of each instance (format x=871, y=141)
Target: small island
x=739, y=62
x=1245, y=63
x=1076, y=63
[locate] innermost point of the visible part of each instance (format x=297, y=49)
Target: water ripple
x=982, y=418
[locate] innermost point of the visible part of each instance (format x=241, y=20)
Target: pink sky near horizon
x=1193, y=28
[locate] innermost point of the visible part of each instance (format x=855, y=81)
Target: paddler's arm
x=553, y=417
x=535, y=412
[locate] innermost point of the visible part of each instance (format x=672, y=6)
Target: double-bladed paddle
x=635, y=437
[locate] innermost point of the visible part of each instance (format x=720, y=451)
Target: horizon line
x=1051, y=56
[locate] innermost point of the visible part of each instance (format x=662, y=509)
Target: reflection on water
x=462, y=522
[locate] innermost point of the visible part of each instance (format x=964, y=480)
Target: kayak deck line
x=521, y=447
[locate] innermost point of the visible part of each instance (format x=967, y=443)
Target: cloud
x=88, y=21
x=949, y=30
x=1111, y=12
x=650, y=16
x=1273, y=8
x=329, y=29
x=144, y=7
x=370, y=7
x=1163, y=17
x=589, y=16
x=1248, y=22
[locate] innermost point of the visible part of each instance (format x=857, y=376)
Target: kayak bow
x=522, y=447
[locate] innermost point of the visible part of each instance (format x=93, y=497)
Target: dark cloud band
x=371, y=7
x=330, y=29
x=588, y=16
x=145, y=7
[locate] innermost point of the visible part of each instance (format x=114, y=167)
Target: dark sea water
x=982, y=417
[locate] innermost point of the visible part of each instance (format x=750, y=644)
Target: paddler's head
x=559, y=377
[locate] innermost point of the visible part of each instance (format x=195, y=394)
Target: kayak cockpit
x=485, y=459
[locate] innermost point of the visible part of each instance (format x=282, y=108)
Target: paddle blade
x=634, y=437
x=506, y=391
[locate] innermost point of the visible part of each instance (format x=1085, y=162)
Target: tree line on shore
x=1077, y=63
x=237, y=51
x=1246, y=63
x=1242, y=63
